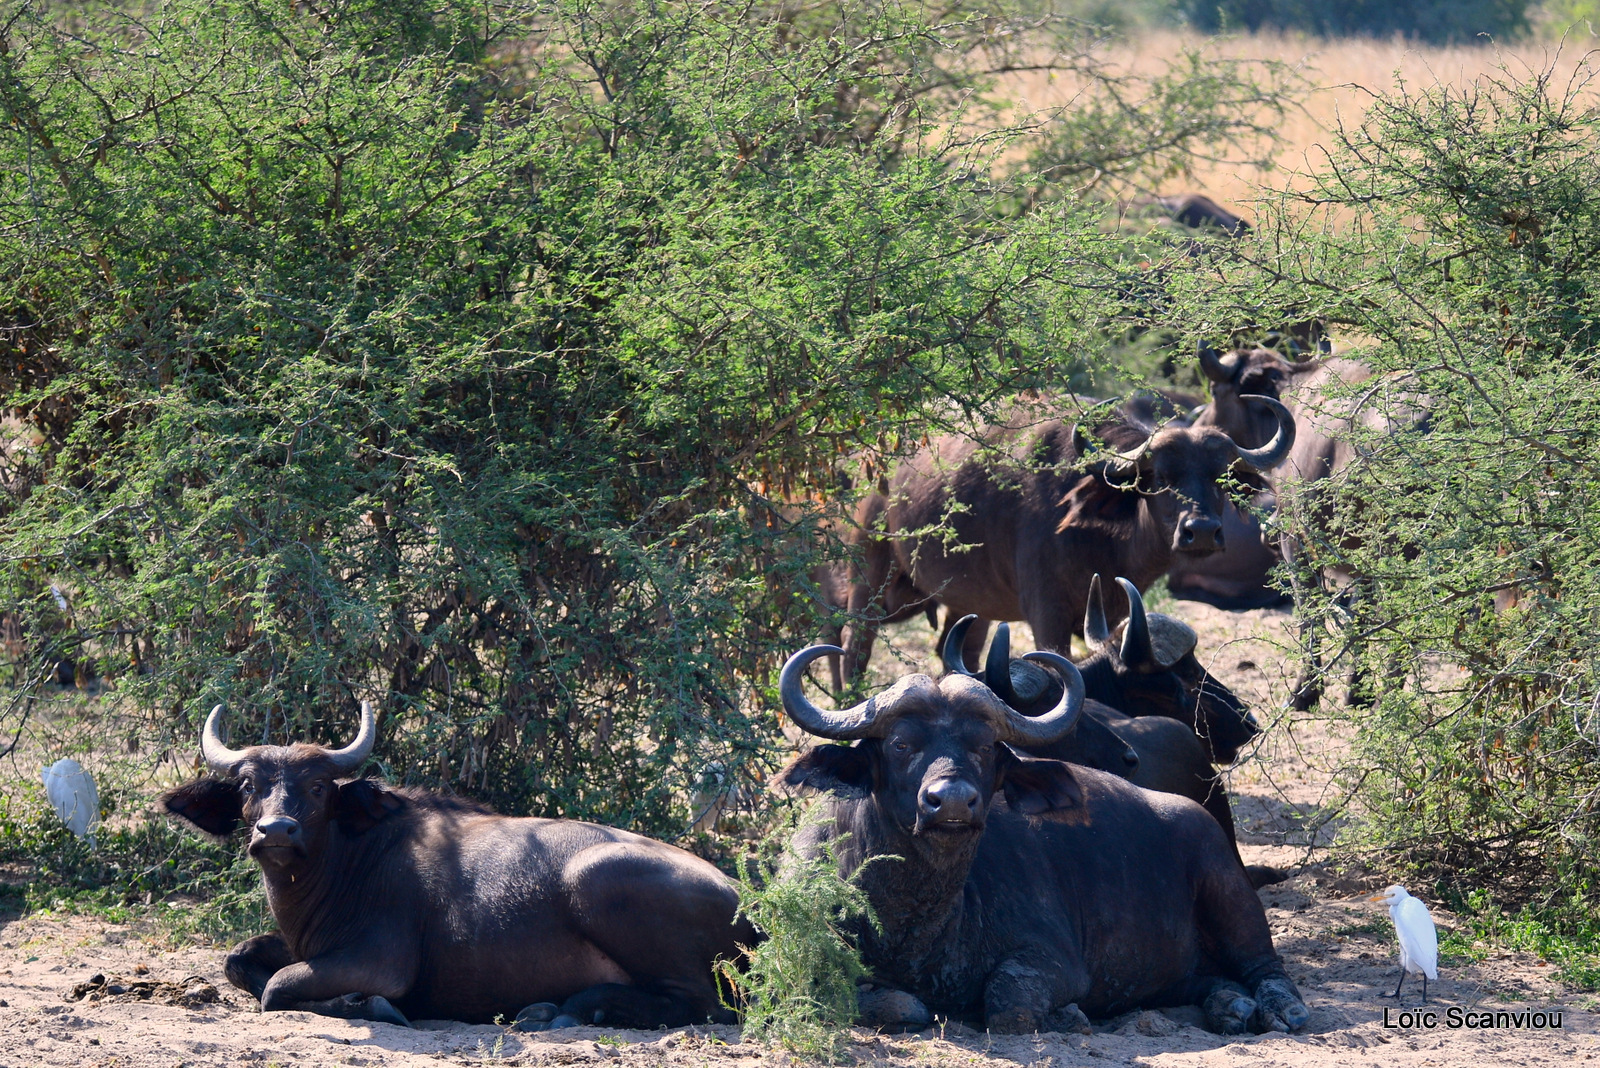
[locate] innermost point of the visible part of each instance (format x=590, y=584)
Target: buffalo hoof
x=379, y=1010
x=1229, y=1010
x=565, y=1020
x=536, y=1017
x=1019, y=1021
x=1279, y=1007
x=376, y=1008
x=1261, y=875
x=1068, y=1020
x=891, y=1010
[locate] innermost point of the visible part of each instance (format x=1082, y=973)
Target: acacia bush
x=502, y=364
x=1454, y=238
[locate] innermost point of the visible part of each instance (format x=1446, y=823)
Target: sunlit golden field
x=1344, y=73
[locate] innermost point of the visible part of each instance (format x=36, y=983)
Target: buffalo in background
x=1010, y=523
x=1328, y=452
x=1239, y=579
x=1076, y=894
x=400, y=903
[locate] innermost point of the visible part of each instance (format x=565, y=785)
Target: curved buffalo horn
x=844, y=725
x=955, y=661
x=997, y=668
x=350, y=757
x=1056, y=724
x=1095, y=631
x=218, y=757
x=1275, y=451
x=1136, y=650
x=1218, y=368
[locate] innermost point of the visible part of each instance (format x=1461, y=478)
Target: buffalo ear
x=210, y=806
x=1094, y=505
x=841, y=770
x=362, y=804
x=1034, y=787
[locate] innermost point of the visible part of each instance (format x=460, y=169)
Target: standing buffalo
x=1079, y=893
x=1342, y=429
x=965, y=519
x=395, y=903
x=1241, y=577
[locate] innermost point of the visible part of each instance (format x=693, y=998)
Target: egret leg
x=1424, y=988
x=1397, y=986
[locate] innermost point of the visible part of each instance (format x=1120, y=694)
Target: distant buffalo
x=1328, y=454
x=400, y=903
x=1241, y=577
x=1011, y=522
x=1196, y=211
x=1077, y=895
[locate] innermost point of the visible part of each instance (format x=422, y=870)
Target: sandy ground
x=1338, y=947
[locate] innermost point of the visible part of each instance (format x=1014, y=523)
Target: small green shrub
x=1566, y=936
x=798, y=988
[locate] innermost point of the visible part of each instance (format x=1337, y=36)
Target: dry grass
x=1346, y=74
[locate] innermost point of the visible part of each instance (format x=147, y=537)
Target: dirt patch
x=1337, y=950
x=1338, y=947
x=191, y=991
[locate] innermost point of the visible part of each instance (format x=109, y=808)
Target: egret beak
x=1379, y=897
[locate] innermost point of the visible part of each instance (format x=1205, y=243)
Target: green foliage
x=501, y=365
x=187, y=886
x=798, y=988
x=1457, y=231
x=1429, y=20
x=1566, y=935
x=1575, y=17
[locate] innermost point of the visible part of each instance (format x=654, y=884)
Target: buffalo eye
x=246, y=786
x=317, y=790
x=900, y=747
x=986, y=749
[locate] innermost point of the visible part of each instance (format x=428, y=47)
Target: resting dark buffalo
x=395, y=903
x=1152, y=671
x=1079, y=893
x=1160, y=712
x=967, y=518
x=1199, y=212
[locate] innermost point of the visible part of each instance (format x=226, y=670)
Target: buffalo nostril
x=278, y=825
x=955, y=798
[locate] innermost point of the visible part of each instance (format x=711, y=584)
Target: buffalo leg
x=1308, y=687
x=663, y=925
x=1231, y=919
x=890, y=1010
x=1022, y=991
x=356, y=1007
x=1228, y=1007
x=346, y=984
x=866, y=605
x=620, y=1005
x=252, y=963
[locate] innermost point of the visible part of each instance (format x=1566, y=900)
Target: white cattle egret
x=73, y=795
x=1419, y=941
